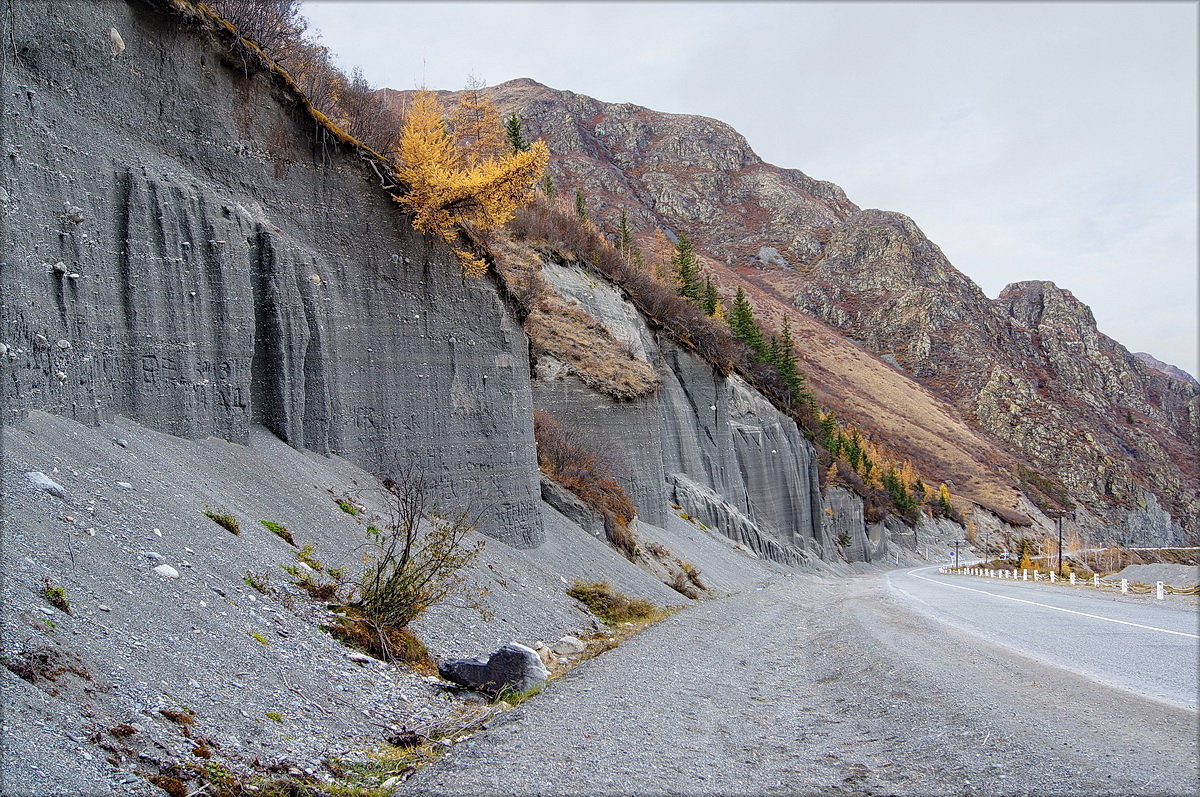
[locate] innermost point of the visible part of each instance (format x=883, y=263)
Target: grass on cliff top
x=612, y=606
x=560, y=329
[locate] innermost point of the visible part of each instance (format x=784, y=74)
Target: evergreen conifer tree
x=548, y=186
x=687, y=270
x=830, y=439
x=514, y=134
x=580, y=205
x=712, y=300
x=744, y=327
x=783, y=357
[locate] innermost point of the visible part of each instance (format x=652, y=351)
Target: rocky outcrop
x=1030, y=367
x=185, y=246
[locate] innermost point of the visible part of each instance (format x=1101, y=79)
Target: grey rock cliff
x=704, y=441
x=212, y=258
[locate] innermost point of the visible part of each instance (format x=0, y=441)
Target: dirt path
x=810, y=686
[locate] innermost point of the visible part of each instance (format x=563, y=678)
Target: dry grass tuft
x=558, y=328
x=386, y=643
x=612, y=606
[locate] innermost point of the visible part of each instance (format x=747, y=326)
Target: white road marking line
x=1056, y=608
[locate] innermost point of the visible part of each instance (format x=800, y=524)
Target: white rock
x=154, y=557
x=568, y=645
x=43, y=482
x=125, y=485
x=167, y=571
x=103, y=608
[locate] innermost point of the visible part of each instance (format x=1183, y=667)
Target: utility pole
x=956, y=542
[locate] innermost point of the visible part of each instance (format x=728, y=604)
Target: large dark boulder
x=513, y=668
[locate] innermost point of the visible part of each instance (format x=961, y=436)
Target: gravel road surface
x=835, y=687
x=1144, y=645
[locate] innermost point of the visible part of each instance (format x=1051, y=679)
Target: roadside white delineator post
x=1053, y=577
x=1072, y=578
x=1095, y=579
x=1037, y=576
x=1124, y=586
x=1024, y=573
x=1158, y=591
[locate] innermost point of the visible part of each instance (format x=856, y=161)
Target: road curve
x=1146, y=647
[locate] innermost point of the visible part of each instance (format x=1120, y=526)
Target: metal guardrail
x=1124, y=586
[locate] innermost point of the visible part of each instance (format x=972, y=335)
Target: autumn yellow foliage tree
x=447, y=187
x=476, y=126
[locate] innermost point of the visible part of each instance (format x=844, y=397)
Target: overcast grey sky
x=1049, y=141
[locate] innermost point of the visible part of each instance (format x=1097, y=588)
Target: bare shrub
x=276, y=26
x=588, y=476
x=419, y=558
x=363, y=113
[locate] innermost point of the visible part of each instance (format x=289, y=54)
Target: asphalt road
x=831, y=687
x=1146, y=647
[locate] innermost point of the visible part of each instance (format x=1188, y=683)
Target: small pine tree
x=782, y=354
x=943, y=499
x=852, y=445
x=686, y=266
x=711, y=301
x=514, y=134
x=624, y=234
x=830, y=439
x=897, y=491
x=548, y=186
x=580, y=205
x=744, y=327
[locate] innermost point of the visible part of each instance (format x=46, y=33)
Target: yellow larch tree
x=476, y=126
x=445, y=189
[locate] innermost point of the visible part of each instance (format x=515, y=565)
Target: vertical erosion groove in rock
x=214, y=262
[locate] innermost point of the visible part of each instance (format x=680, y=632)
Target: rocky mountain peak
x=1037, y=303
x=1172, y=371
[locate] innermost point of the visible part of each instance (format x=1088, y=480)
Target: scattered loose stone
x=43, y=482
x=103, y=608
x=125, y=485
x=568, y=645
x=167, y=571
x=154, y=557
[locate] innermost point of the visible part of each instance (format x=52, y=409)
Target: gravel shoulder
x=811, y=685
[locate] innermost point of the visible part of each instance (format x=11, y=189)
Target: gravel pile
x=168, y=650
x=1179, y=576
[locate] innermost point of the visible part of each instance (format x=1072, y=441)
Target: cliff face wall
x=184, y=246
x=706, y=442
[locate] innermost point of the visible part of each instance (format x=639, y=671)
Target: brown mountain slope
x=969, y=387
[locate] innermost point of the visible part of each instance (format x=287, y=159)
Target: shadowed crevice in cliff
x=268, y=368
